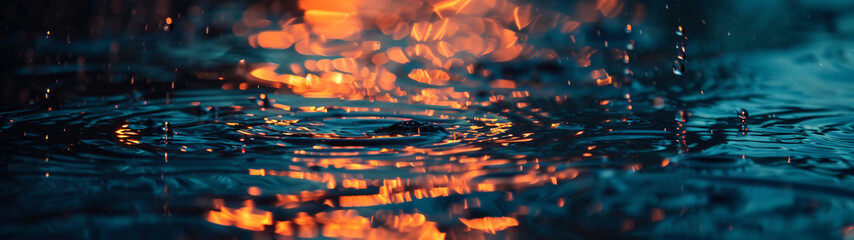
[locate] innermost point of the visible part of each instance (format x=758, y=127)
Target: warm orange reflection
x=246, y=217
x=346, y=224
x=127, y=136
x=408, y=51
x=445, y=38
x=398, y=190
x=490, y=224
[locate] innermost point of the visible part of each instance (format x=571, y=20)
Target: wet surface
x=220, y=139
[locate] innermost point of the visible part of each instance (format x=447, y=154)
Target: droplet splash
x=167, y=129
x=410, y=127
x=681, y=60
x=742, y=116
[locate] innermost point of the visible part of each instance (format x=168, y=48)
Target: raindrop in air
x=679, y=63
x=680, y=46
x=678, y=67
x=167, y=24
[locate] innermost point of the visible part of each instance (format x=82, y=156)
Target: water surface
x=151, y=136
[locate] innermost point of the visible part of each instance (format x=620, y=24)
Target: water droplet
x=265, y=102
x=679, y=63
x=167, y=129
x=743, y=115
x=678, y=67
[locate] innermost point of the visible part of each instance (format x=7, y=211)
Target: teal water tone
x=170, y=122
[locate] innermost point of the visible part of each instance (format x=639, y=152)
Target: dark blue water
x=163, y=134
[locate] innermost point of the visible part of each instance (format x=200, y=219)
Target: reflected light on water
x=346, y=224
x=357, y=49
